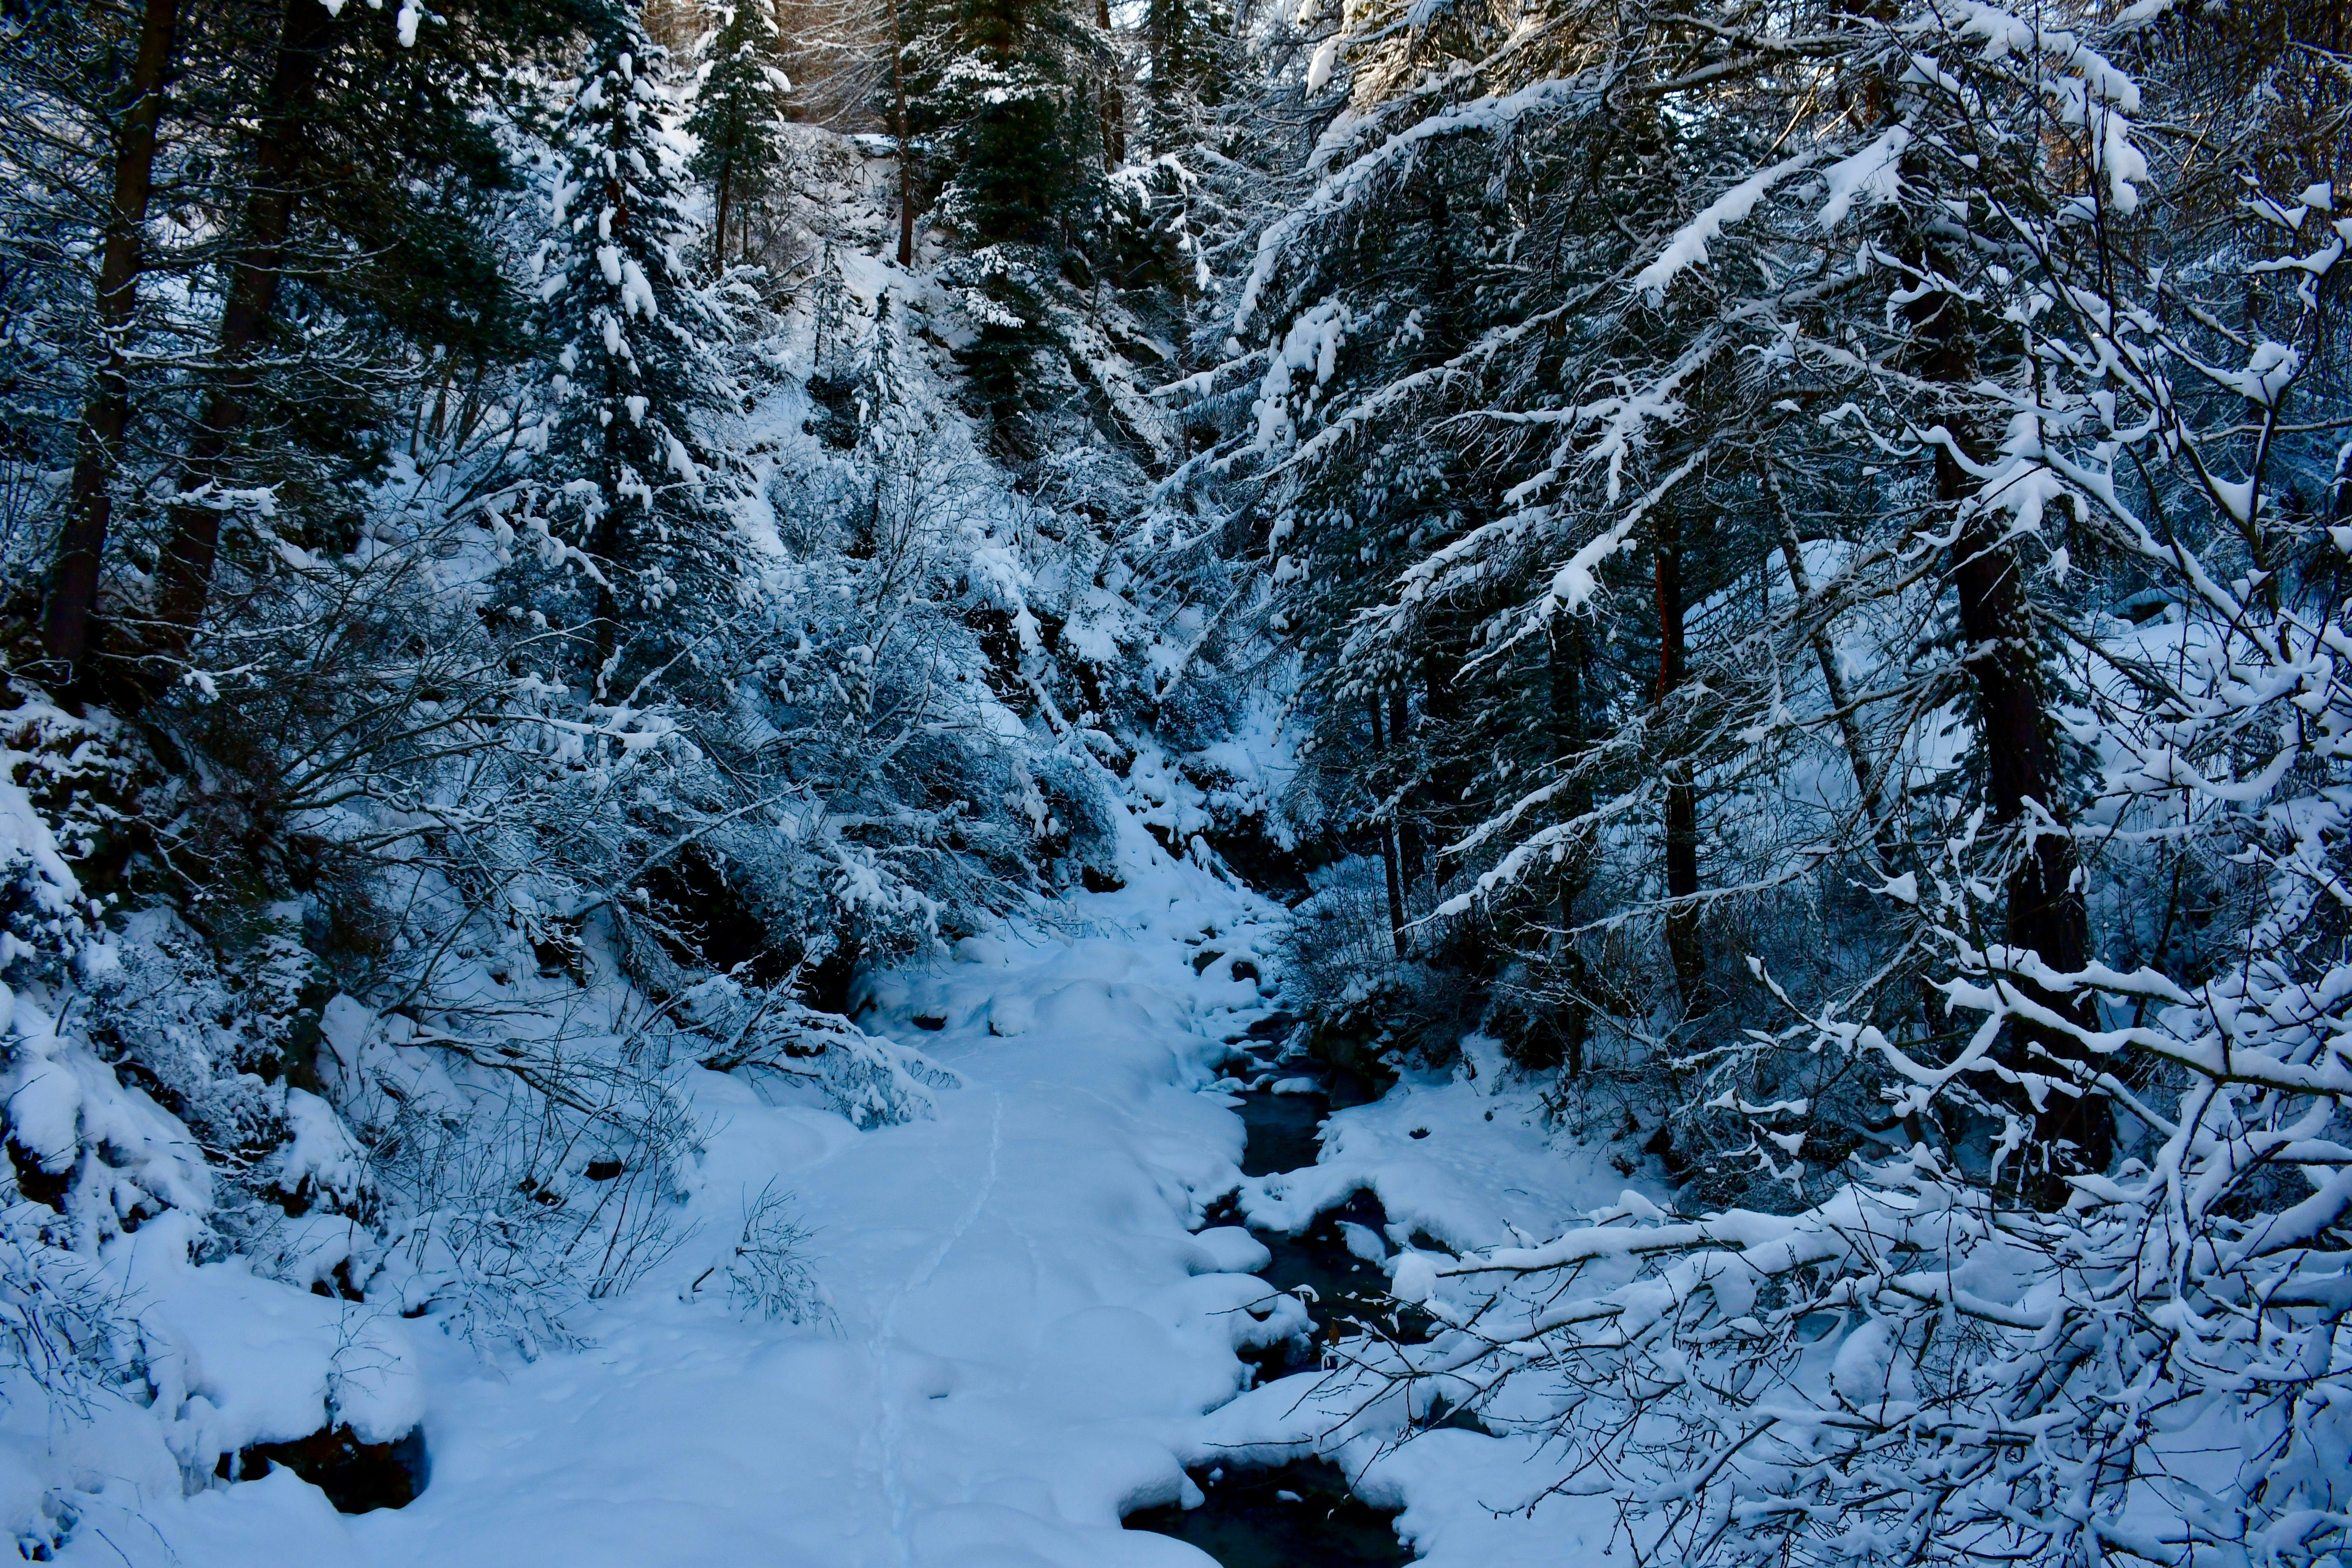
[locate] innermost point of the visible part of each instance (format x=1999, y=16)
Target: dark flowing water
x=1349, y=1290
x=1284, y=1131
x=1343, y=1292
x=1299, y=1515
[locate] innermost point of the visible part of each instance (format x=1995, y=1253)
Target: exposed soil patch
x=358, y=1478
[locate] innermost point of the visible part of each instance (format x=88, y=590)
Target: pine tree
x=1003, y=95
x=739, y=110
x=634, y=344
x=131, y=122
x=1193, y=70
x=355, y=163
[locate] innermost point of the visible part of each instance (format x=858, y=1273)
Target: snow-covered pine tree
x=1543, y=405
x=739, y=110
x=1179, y=192
x=98, y=81
x=1930, y=423
x=1192, y=63
x=1461, y=263
x=350, y=167
x=1003, y=94
x=634, y=366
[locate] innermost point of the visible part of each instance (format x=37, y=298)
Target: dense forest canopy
x=1787, y=569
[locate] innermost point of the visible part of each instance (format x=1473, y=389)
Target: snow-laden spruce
x=1982, y=826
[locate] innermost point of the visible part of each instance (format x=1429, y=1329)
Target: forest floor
x=1023, y=1341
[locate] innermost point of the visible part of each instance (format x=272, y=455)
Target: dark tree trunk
x=610, y=538
x=1569, y=740
x=73, y=587
x=2046, y=913
x=185, y=572
x=1389, y=850
x=1396, y=888
x=2046, y=909
x=719, y=229
x=905, y=143
x=1409, y=860
x=1114, y=99
x=1447, y=777
x=1682, y=795
x=607, y=542
x=1164, y=31
x=1443, y=338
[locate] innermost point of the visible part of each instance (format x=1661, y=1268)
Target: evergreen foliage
x=1004, y=97
x=1193, y=70
x=633, y=369
x=1533, y=424
x=1802, y=552
x=739, y=110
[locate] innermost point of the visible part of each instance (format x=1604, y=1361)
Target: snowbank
x=1021, y=1329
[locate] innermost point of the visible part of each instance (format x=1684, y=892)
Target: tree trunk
x=1410, y=861
x=1447, y=776
x=1114, y=101
x=73, y=589
x=1682, y=795
x=610, y=538
x=185, y=572
x=905, y=143
x=2046, y=909
x=1163, y=27
x=606, y=541
x=719, y=229
x=1442, y=340
x=2046, y=913
x=1389, y=850
x=1568, y=655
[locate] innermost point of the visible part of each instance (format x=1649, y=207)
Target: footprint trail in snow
x=1026, y=1343
x=1024, y=1334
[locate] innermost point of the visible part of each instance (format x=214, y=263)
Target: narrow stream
x=1299, y=1515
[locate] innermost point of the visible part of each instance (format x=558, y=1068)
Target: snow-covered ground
x=1023, y=1340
